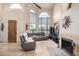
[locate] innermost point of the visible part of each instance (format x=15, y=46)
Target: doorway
x=12, y=30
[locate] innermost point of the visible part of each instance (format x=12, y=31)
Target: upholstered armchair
x=27, y=45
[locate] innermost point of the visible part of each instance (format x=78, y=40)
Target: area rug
x=57, y=52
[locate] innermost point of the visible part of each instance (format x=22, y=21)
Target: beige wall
x=57, y=12
x=74, y=27
x=21, y=16
x=74, y=13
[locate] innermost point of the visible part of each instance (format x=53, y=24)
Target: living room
x=37, y=19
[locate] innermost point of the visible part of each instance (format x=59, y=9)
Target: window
x=44, y=22
x=32, y=21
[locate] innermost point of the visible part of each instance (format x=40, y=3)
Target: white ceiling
x=46, y=5
x=42, y=5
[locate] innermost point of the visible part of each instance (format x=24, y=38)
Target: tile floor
x=42, y=49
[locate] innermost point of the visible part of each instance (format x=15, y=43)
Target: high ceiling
x=42, y=5
x=46, y=5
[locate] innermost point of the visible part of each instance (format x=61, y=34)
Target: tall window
x=44, y=22
x=32, y=21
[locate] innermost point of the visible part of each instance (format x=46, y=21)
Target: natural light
x=44, y=14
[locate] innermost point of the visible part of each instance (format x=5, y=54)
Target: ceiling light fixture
x=15, y=6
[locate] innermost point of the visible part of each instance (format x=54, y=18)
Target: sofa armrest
x=29, y=45
x=28, y=42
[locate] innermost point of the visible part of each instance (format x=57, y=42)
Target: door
x=12, y=31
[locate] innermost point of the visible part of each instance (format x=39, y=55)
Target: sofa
x=28, y=40
x=28, y=44
x=39, y=36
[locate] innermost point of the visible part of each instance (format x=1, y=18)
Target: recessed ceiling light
x=15, y=6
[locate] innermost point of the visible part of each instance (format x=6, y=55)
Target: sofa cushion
x=27, y=39
x=30, y=39
x=30, y=34
x=40, y=34
x=25, y=36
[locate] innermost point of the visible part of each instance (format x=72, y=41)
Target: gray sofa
x=39, y=36
x=35, y=37
x=27, y=45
